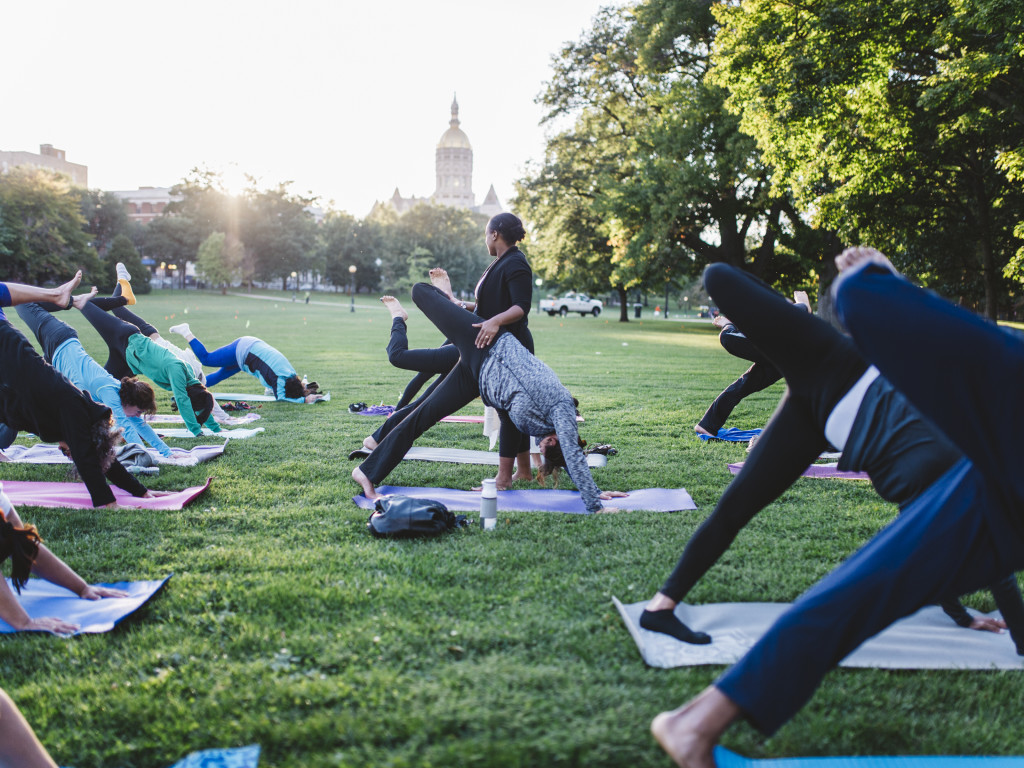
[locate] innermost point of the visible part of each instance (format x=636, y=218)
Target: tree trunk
x=623, y=304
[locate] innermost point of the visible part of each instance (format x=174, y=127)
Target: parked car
x=572, y=302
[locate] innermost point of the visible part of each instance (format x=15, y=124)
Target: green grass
x=287, y=625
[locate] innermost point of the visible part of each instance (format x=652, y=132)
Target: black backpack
x=404, y=517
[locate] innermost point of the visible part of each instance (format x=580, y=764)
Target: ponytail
x=22, y=546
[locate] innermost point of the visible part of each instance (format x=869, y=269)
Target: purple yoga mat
x=818, y=470
x=540, y=500
x=75, y=495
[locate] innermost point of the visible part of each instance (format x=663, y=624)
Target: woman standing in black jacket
x=504, y=295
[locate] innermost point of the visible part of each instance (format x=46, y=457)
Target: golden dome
x=454, y=137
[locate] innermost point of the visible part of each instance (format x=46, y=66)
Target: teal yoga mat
x=726, y=759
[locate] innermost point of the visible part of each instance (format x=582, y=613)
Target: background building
x=453, y=169
x=145, y=203
x=48, y=158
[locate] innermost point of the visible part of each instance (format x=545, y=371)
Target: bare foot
x=851, y=257
x=369, y=443
x=364, y=482
x=394, y=307
x=689, y=734
x=80, y=300
x=701, y=431
x=64, y=291
x=439, y=278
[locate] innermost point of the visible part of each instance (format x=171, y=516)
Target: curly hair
x=294, y=388
x=201, y=401
x=22, y=546
x=508, y=226
x=105, y=439
x=138, y=393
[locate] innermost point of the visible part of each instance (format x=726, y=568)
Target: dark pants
x=761, y=375
x=428, y=362
x=116, y=327
x=820, y=366
x=451, y=393
x=965, y=531
x=50, y=331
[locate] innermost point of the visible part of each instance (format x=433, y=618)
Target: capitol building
x=453, y=168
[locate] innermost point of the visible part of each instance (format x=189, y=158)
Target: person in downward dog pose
x=965, y=530
x=504, y=296
x=509, y=379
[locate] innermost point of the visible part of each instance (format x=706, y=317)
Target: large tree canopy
x=897, y=122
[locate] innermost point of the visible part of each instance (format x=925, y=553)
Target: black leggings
x=761, y=375
x=820, y=366
x=445, y=397
x=50, y=331
x=116, y=329
x=429, y=362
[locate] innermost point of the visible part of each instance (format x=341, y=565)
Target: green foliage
x=897, y=123
x=42, y=236
x=287, y=625
x=219, y=261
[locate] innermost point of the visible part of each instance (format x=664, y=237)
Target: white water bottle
x=489, y=505
x=305, y=380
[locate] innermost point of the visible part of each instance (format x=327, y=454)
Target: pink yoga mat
x=75, y=495
x=818, y=470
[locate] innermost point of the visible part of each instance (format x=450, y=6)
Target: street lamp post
x=295, y=284
x=538, y=282
x=352, y=288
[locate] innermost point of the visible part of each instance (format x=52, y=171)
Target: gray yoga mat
x=465, y=456
x=926, y=640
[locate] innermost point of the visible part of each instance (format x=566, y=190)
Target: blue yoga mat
x=732, y=435
x=726, y=759
x=243, y=757
x=40, y=598
x=540, y=500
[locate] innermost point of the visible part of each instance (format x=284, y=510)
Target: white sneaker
x=181, y=329
x=268, y=392
x=122, y=272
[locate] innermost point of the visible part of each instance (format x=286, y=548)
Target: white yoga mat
x=926, y=640
x=40, y=598
x=465, y=456
x=247, y=417
x=47, y=453
x=239, y=433
x=261, y=398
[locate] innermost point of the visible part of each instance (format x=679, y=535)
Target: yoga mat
x=261, y=398
x=726, y=759
x=732, y=435
x=238, y=433
x=41, y=598
x=175, y=418
x=487, y=458
x=818, y=470
x=243, y=757
x=542, y=500
x=926, y=640
x=47, y=453
x=75, y=496
x=470, y=419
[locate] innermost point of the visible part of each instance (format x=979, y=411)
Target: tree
x=654, y=179
x=898, y=122
x=278, y=231
x=122, y=250
x=105, y=218
x=218, y=260
x=42, y=235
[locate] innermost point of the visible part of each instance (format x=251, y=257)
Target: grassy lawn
x=286, y=624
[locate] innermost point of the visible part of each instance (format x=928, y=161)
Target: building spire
x=454, y=122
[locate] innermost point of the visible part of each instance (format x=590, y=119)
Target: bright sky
x=345, y=98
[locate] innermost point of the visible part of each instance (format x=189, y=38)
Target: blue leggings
x=962, y=533
x=224, y=357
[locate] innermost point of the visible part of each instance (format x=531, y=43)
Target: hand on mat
x=612, y=495
x=985, y=624
x=313, y=398
x=96, y=592
x=50, y=624
x=488, y=330
x=154, y=494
